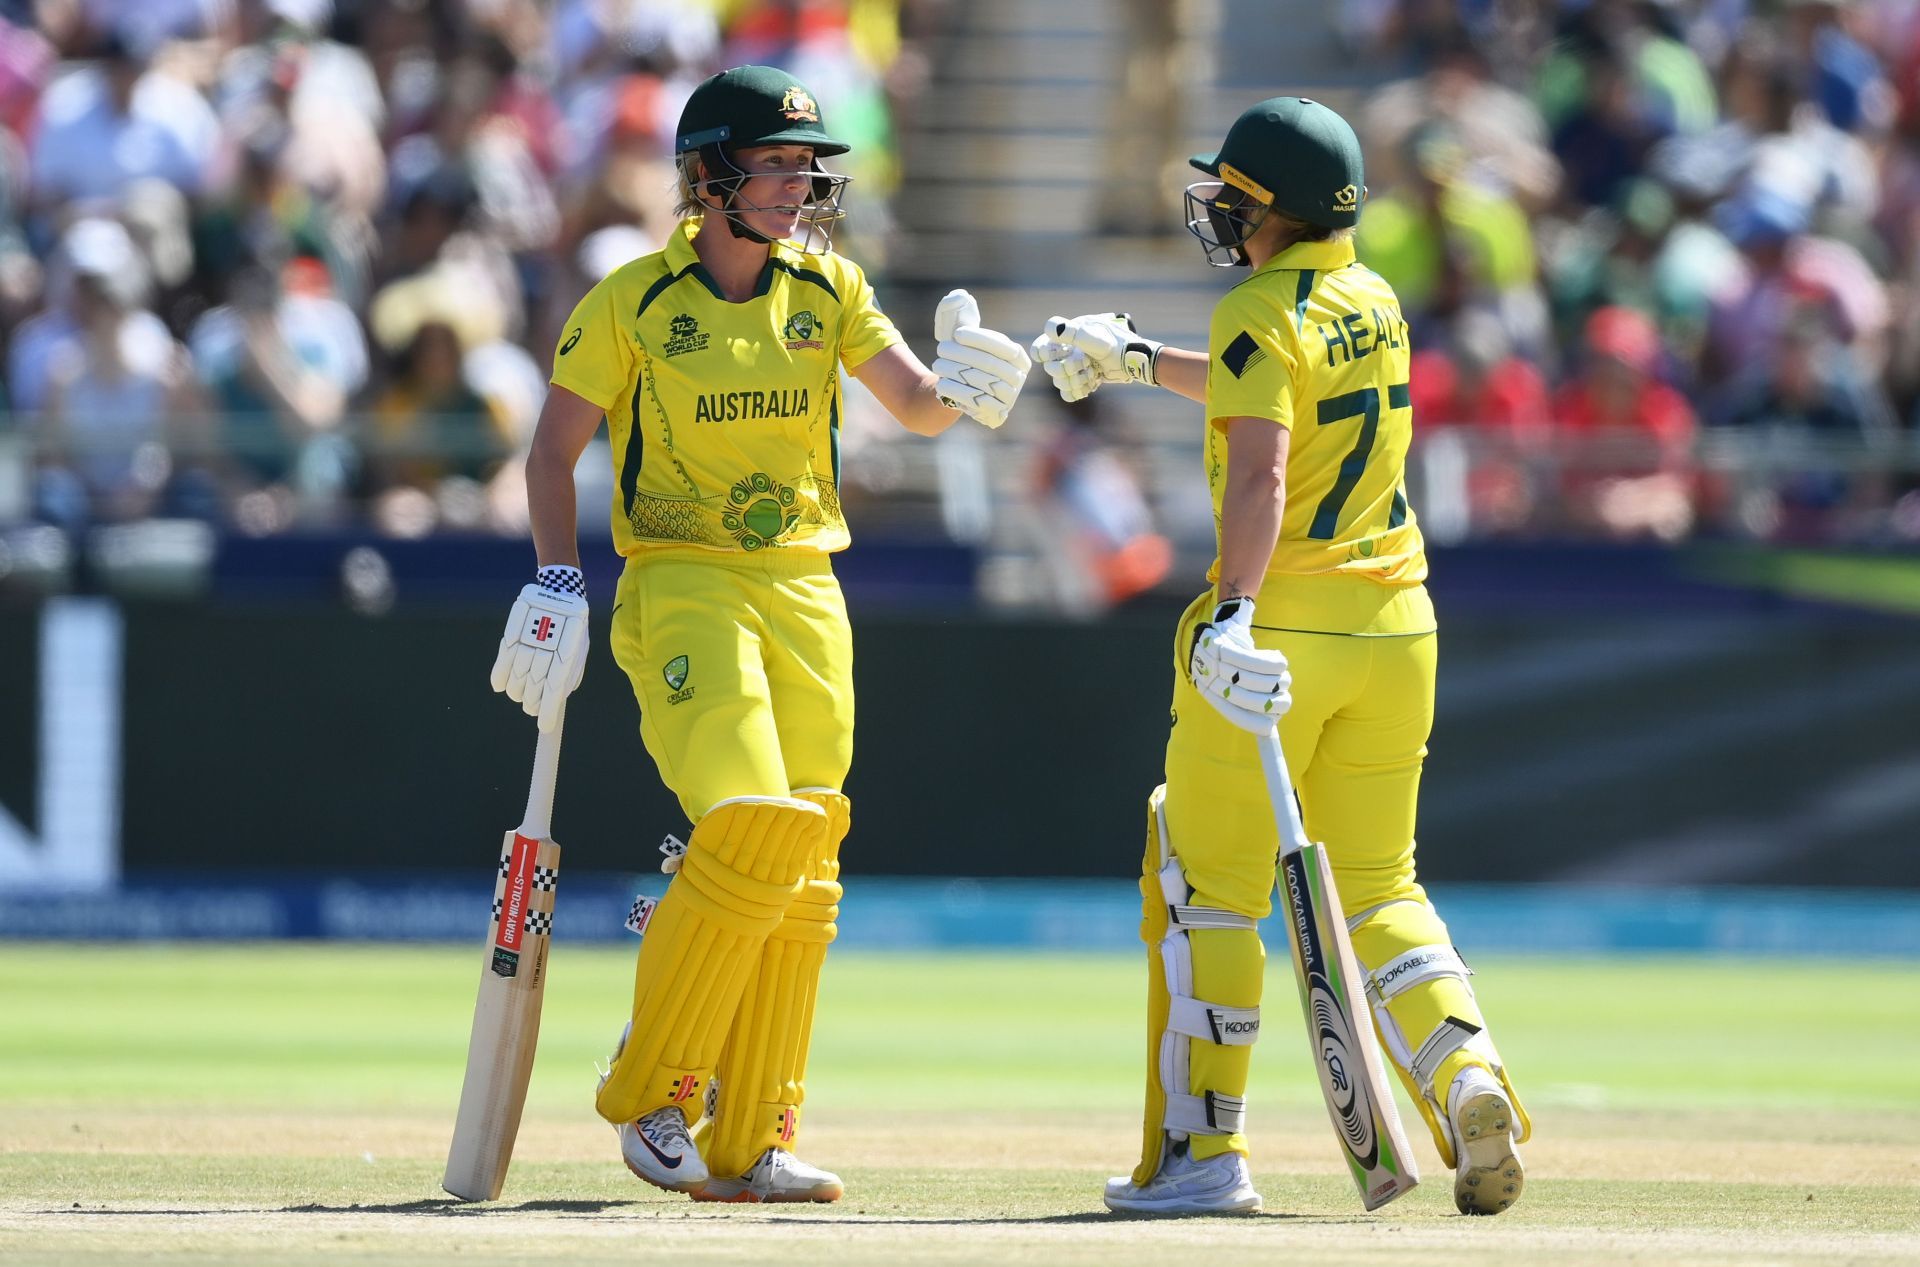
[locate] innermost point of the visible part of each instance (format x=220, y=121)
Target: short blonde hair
x=687, y=175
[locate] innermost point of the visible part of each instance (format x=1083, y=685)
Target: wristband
x=558, y=578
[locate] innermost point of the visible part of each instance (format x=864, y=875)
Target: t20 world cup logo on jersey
x=684, y=335
x=800, y=330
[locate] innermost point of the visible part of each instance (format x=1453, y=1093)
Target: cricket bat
x=1339, y=1026
x=513, y=977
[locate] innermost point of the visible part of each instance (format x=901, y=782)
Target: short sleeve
x=864, y=329
x=1250, y=360
x=594, y=358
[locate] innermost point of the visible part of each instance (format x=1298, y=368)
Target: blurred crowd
x=1662, y=259
x=298, y=263
x=280, y=264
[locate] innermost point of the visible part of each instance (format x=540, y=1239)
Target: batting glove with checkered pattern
x=544, y=649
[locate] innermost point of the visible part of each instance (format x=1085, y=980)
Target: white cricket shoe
x=1489, y=1177
x=1218, y=1185
x=658, y=1148
x=777, y=1176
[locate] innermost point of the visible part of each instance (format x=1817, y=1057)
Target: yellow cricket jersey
x=724, y=417
x=1315, y=342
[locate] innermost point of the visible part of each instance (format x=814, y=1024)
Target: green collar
x=1321, y=257
x=682, y=259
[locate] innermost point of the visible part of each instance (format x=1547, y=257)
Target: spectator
x=1500, y=129
x=1787, y=267
x=116, y=398
x=434, y=439
x=282, y=359
x=1096, y=529
x=106, y=126
x=1604, y=140
x=1493, y=404
x=1447, y=244
x=53, y=337
x=1810, y=412
x=1625, y=436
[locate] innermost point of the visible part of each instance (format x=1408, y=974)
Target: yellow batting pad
x=764, y=1065
x=1424, y=1010
x=743, y=867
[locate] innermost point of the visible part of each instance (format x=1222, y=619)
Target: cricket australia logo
x=798, y=104
x=759, y=510
x=800, y=331
x=684, y=335
x=676, y=674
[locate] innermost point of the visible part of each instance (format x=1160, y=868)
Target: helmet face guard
x=1224, y=217
x=819, y=213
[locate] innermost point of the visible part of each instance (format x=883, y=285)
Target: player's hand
x=1080, y=353
x=544, y=650
x=981, y=371
x=1249, y=686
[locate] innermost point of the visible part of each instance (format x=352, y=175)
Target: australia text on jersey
x=746, y=406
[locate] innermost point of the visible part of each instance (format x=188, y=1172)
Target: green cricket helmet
x=1286, y=153
x=760, y=105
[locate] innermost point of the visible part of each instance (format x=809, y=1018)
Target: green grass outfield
x=291, y=1104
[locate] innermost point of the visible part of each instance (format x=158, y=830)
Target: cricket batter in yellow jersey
x=717, y=365
x=1317, y=612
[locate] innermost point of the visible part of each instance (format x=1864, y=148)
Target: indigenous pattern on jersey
x=724, y=418
x=1315, y=342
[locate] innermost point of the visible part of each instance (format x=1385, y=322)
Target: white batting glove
x=1081, y=353
x=1250, y=687
x=544, y=650
x=981, y=371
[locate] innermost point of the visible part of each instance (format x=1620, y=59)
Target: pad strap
x=1209, y=1022
x=1213, y=1113
x=1448, y=1037
x=1422, y=963
x=1188, y=918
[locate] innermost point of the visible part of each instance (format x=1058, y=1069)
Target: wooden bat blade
x=1340, y=1029
x=506, y=1019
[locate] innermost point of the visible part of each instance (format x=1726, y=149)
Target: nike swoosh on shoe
x=671, y=1163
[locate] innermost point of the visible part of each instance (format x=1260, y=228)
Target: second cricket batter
x=1318, y=611
x=717, y=365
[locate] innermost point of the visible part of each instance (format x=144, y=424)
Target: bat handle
x=538, y=824
x=1286, y=813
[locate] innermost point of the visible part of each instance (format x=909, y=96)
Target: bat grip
x=1286, y=812
x=538, y=824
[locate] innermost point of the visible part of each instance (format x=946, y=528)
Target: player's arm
x=567, y=423
x=544, y=649
x=909, y=390
x=1081, y=353
x=1251, y=503
x=977, y=372
x=1249, y=685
